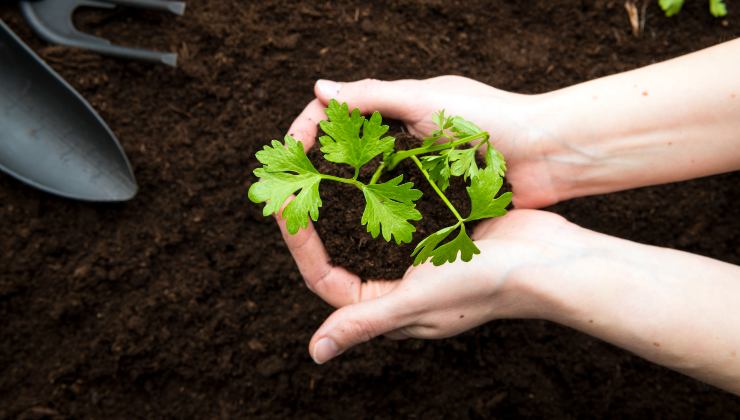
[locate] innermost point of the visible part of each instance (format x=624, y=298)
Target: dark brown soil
x=348, y=242
x=185, y=303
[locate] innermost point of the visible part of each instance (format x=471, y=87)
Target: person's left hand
x=433, y=302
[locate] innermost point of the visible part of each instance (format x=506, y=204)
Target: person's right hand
x=508, y=117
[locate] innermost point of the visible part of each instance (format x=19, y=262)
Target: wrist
x=529, y=275
x=564, y=155
x=542, y=165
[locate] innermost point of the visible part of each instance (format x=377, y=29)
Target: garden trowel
x=50, y=137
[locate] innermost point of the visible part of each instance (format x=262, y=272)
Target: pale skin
x=667, y=122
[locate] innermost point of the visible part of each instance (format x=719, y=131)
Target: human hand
x=434, y=302
x=508, y=117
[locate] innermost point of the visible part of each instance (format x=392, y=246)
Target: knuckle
x=308, y=284
x=316, y=282
x=427, y=332
x=368, y=86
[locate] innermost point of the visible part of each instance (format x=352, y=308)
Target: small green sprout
x=717, y=8
x=390, y=207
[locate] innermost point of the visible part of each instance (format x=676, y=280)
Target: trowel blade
x=50, y=137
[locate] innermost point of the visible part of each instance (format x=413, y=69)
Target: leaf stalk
x=396, y=158
x=350, y=181
x=437, y=190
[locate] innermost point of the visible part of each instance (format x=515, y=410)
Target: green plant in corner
x=717, y=8
x=390, y=206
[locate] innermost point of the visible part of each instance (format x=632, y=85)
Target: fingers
x=355, y=324
x=305, y=127
x=337, y=286
x=397, y=99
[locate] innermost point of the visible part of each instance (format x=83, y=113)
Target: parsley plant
x=390, y=206
x=717, y=8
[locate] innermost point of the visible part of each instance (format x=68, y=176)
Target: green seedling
x=717, y=8
x=390, y=207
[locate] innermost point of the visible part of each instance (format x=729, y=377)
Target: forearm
x=673, y=308
x=667, y=122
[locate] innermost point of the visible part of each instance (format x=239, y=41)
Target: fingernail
x=324, y=350
x=328, y=88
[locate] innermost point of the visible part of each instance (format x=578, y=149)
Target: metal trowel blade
x=50, y=137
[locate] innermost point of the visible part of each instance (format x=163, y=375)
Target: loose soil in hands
x=185, y=302
x=347, y=241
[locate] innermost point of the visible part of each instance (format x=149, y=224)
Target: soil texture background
x=185, y=302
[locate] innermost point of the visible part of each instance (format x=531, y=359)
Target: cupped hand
x=513, y=121
x=428, y=302
x=433, y=302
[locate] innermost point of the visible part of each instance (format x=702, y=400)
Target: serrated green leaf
x=463, y=163
x=462, y=245
x=438, y=167
x=717, y=8
x=274, y=188
x=306, y=204
x=425, y=249
x=388, y=209
x=443, y=121
x=287, y=157
x=432, y=138
x=464, y=128
x=286, y=170
x=439, y=118
x=482, y=193
x=671, y=7
x=495, y=160
x=343, y=143
x=373, y=140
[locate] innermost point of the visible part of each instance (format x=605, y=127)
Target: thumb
x=395, y=99
x=354, y=324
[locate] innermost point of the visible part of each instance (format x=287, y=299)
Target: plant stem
x=357, y=173
x=377, y=173
x=437, y=190
x=350, y=181
x=481, y=143
x=404, y=154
